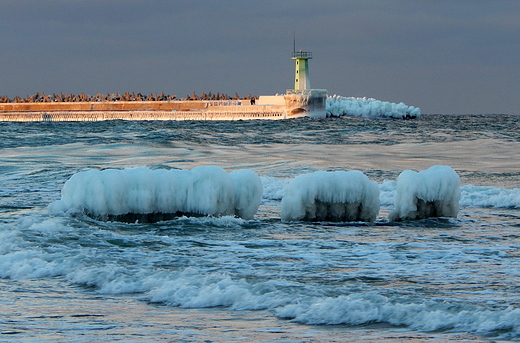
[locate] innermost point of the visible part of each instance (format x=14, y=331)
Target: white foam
x=478, y=196
x=369, y=108
x=434, y=192
x=387, y=191
x=10, y=241
x=274, y=188
x=206, y=190
x=203, y=286
x=193, y=288
x=224, y=221
x=357, y=309
x=332, y=196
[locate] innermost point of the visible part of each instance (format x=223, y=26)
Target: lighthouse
x=302, y=101
x=301, y=78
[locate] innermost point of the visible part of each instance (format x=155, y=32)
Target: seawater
x=69, y=278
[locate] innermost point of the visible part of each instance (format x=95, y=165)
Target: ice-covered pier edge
x=315, y=103
x=306, y=103
x=150, y=195
x=369, y=108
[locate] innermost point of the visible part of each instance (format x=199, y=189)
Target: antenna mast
x=294, y=41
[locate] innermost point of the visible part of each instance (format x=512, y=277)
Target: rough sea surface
x=69, y=278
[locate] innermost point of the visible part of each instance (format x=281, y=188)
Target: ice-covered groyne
x=331, y=196
x=150, y=195
x=369, y=108
x=434, y=192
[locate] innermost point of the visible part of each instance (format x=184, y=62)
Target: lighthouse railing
x=302, y=54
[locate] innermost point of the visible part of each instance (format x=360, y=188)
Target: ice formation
x=434, y=192
x=151, y=195
x=331, y=196
x=369, y=108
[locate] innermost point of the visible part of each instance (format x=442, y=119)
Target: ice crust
x=434, y=192
x=331, y=196
x=369, y=108
x=204, y=190
x=321, y=196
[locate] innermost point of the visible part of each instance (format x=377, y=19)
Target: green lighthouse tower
x=301, y=78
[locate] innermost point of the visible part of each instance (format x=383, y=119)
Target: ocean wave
x=193, y=288
x=368, y=308
x=113, y=262
x=369, y=108
x=479, y=196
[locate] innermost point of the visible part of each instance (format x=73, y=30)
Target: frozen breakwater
x=269, y=107
x=146, y=195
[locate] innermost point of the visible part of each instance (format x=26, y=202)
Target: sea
x=71, y=278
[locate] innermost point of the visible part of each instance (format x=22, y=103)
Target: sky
x=443, y=56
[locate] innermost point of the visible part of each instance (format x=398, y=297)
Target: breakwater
x=129, y=106
x=266, y=107
x=207, y=112
x=173, y=105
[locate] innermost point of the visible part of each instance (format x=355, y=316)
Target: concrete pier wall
x=219, y=113
x=142, y=110
x=109, y=106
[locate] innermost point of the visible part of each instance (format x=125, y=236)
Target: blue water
x=70, y=278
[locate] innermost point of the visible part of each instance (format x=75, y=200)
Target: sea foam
x=369, y=108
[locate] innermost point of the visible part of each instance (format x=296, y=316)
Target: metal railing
x=302, y=54
x=317, y=92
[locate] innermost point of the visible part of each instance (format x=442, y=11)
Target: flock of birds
x=118, y=97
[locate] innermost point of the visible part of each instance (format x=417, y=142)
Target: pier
x=156, y=110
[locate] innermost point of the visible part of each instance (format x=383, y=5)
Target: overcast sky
x=444, y=56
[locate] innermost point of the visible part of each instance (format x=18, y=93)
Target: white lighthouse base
x=306, y=103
